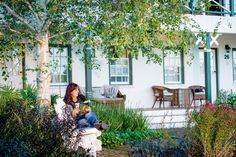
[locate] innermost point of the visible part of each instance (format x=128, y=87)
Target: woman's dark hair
x=72, y=86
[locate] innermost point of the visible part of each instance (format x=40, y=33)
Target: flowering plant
x=213, y=131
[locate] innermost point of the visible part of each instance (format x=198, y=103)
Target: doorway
x=214, y=71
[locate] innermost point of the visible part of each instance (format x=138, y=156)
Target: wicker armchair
x=198, y=93
x=162, y=94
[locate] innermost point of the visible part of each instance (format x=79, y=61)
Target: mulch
x=121, y=151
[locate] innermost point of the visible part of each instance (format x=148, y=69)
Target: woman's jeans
x=88, y=120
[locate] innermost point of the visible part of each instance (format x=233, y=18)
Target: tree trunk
x=44, y=77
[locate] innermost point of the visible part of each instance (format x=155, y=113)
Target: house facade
x=135, y=78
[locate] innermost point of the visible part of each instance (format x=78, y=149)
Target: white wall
x=225, y=65
x=208, y=23
x=139, y=94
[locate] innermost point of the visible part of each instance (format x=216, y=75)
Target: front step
x=167, y=118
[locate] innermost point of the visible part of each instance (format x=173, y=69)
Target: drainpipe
x=88, y=68
x=207, y=58
x=232, y=7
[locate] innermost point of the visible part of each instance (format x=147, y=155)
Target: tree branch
x=35, y=14
x=8, y=28
x=14, y=14
x=60, y=34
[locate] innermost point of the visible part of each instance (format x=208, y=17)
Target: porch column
x=88, y=68
x=232, y=7
x=207, y=58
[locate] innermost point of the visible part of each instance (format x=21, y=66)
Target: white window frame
x=54, y=67
x=177, y=59
x=119, y=66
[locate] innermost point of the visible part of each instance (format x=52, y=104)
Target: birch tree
x=119, y=26
x=35, y=23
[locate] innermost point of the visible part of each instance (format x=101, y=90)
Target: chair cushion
x=167, y=93
x=199, y=90
x=156, y=94
x=110, y=92
x=200, y=93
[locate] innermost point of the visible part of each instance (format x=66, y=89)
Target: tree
x=122, y=26
x=35, y=23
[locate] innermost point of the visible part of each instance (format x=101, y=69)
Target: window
x=173, y=67
x=120, y=71
x=59, y=65
x=234, y=64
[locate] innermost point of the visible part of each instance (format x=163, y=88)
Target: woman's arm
x=71, y=113
x=75, y=112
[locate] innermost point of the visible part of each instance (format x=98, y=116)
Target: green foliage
x=213, y=131
x=117, y=138
x=226, y=97
x=9, y=95
x=54, y=98
x=28, y=130
x=14, y=147
x=29, y=94
x=31, y=131
x=131, y=26
x=121, y=119
x=125, y=125
x=111, y=139
x=118, y=26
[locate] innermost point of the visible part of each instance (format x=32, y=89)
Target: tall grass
x=121, y=119
x=9, y=95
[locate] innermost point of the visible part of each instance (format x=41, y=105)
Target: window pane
x=113, y=79
x=119, y=71
x=63, y=78
x=172, y=68
x=112, y=70
x=59, y=65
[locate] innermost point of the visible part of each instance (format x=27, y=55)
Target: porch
x=170, y=117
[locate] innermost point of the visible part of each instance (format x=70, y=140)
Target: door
x=214, y=73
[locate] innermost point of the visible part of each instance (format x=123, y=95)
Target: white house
x=135, y=78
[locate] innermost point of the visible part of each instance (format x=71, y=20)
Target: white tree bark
x=44, y=77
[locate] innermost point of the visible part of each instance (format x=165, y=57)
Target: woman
x=73, y=98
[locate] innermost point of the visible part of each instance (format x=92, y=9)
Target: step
x=167, y=118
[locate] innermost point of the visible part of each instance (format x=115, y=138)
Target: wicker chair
x=198, y=93
x=162, y=94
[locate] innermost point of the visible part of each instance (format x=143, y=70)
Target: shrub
x=116, y=138
x=213, y=131
x=33, y=128
x=121, y=119
x=14, y=147
x=227, y=97
x=29, y=94
x=111, y=139
x=125, y=125
x=160, y=147
x=9, y=95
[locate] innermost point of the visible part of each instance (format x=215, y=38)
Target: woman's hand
x=75, y=112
